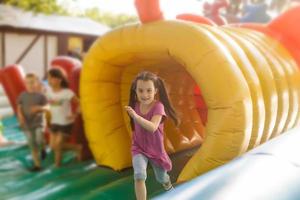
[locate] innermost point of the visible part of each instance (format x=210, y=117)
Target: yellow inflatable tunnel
x=251, y=92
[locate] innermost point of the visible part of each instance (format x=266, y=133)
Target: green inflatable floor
x=74, y=180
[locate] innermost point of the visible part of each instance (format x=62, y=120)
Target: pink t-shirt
x=151, y=144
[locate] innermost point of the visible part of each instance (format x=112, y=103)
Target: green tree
x=52, y=7
x=110, y=19
x=37, y=6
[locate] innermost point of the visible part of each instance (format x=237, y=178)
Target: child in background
x=3, y=140
x=147, y=117
x=30, y=111
x=60, y=98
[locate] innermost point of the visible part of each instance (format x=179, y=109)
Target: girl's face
x=53, y=81
x=145, y=91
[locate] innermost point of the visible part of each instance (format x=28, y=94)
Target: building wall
x=37, y=58
x=52, y=48
x=1, y=61
x=16, y=44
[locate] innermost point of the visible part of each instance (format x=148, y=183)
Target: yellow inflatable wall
x=251, y=90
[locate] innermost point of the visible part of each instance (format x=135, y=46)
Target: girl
x=147, y=116
x=60, y=98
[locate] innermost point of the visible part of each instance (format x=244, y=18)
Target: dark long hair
x=59, y=74
x=162, y=92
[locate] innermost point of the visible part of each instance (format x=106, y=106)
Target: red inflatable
x=13, y=83
x=148, y=10
x=74, y=86
x=212, y=11
x=284, y=29
x=75, y=79
x=66, y=63
x=286, y=25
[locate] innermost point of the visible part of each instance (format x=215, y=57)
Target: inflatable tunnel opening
x=183, y=93
x=185, y=56
x=112, y=95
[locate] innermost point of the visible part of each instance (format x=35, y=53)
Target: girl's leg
x=52, y=140
x=140, y=189
x=74, y=147
x=140, y=166
x=162, y=176
x=58, y=143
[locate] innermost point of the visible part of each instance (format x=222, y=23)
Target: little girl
x=147, y=116
x=60, y=98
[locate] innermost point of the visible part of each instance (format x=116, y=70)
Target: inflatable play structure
x=235, y=87
x=268, y=172
x=237, y=11
x=249, y=80
x=212, y=11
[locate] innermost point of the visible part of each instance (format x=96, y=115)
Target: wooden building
x=32, y=40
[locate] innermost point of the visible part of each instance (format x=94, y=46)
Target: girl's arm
x=35, y=109
x=75, y=100
x=150, y=126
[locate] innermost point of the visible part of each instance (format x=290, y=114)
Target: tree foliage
x=52, y=7
x=37, y=6
x=110, y=19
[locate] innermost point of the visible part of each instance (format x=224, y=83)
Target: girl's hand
x=131, y=112
x=35, y=109
x=54, y=102
x=72, y=117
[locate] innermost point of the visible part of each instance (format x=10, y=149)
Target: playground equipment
x=67, y=63
x=251, y=90
x=268, y=172
x=233, y=88
x=212, y=11
x=11, y=78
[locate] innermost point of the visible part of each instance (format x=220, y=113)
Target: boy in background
x=32, y=105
